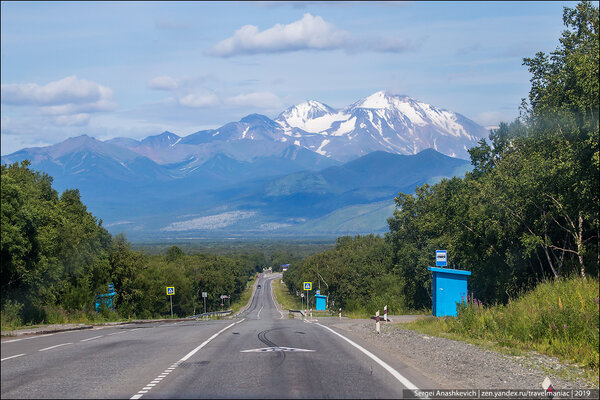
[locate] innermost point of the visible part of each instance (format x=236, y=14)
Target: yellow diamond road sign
x=307, y=285
x=170, y=290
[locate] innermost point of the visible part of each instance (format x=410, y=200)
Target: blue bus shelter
x=449, y=288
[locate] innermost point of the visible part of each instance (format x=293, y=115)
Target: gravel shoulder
x=460, y=365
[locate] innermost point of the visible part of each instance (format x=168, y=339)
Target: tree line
x=55, y=257
x=527, y=212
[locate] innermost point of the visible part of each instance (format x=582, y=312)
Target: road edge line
x=408, y=384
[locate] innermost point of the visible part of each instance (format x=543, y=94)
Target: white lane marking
x=184, y=358
x=116, y=333
x=53, y=347
x=8, y=358
x=408, y=384
x=92, y=338
x=13, y=340
x=191, y=353
x=258, y=316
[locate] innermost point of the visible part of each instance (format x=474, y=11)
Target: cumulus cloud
x=309, y=33
x=64, y=91
x=265, y=100
x=199, y=100
x=162, y=83
x=69, y=100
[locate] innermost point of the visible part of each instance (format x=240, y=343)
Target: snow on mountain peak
x=310, y=116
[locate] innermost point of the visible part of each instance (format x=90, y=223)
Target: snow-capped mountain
x=382, y=121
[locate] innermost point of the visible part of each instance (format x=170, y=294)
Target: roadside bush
x=11, y=315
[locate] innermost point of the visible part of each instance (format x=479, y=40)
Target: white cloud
x=69, y=101
x=265, y=100
x=64, y=91
x=162, y=83
x=311, y=32
x=199, y=100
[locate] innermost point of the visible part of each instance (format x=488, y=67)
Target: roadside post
x=302, y=304
x=307, y=287
x=340, y=313
x=204, y=295
x=377, y=328
x=385, y=313
x=171, y=293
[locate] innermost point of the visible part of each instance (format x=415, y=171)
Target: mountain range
x=312, y=170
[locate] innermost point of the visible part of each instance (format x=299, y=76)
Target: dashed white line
x=408, y=384
x=116, y=333
x=92, y=338
x=8, y=358
x=176, y=364
x=53, y=347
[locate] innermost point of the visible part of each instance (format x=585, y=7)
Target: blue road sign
x=307, y=285
x=441, y=258
x=170, y=290
x=111, y=288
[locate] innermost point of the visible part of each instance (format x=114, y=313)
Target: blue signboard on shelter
x=441, y=258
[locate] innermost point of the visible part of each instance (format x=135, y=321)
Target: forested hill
x=528, y=211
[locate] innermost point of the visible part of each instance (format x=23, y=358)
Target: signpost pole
x=171, y=297
x=204, y=305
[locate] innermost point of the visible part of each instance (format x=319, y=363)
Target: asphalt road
x=257, y=354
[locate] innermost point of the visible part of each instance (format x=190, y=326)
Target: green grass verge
x=245, y=297
x=557, y=318
x=282, y=295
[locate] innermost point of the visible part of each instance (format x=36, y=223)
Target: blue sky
x=135, y=69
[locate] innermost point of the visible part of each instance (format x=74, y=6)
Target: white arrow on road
x=267, y=349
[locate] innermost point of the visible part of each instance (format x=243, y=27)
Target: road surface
x=257, y=354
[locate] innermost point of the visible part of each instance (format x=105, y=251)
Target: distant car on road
x=258, y=286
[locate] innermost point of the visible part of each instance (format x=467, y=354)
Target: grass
x=558, y=318
x=244, y=298
x=282, y=295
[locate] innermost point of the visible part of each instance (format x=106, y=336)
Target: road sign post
x=204, y=295
x=307, y=286
x=441, y=258
x=385, y=313
x=171, y=293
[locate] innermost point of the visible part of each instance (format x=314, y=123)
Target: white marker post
x=377, y=328
x=340, y=312
x=385, y=313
